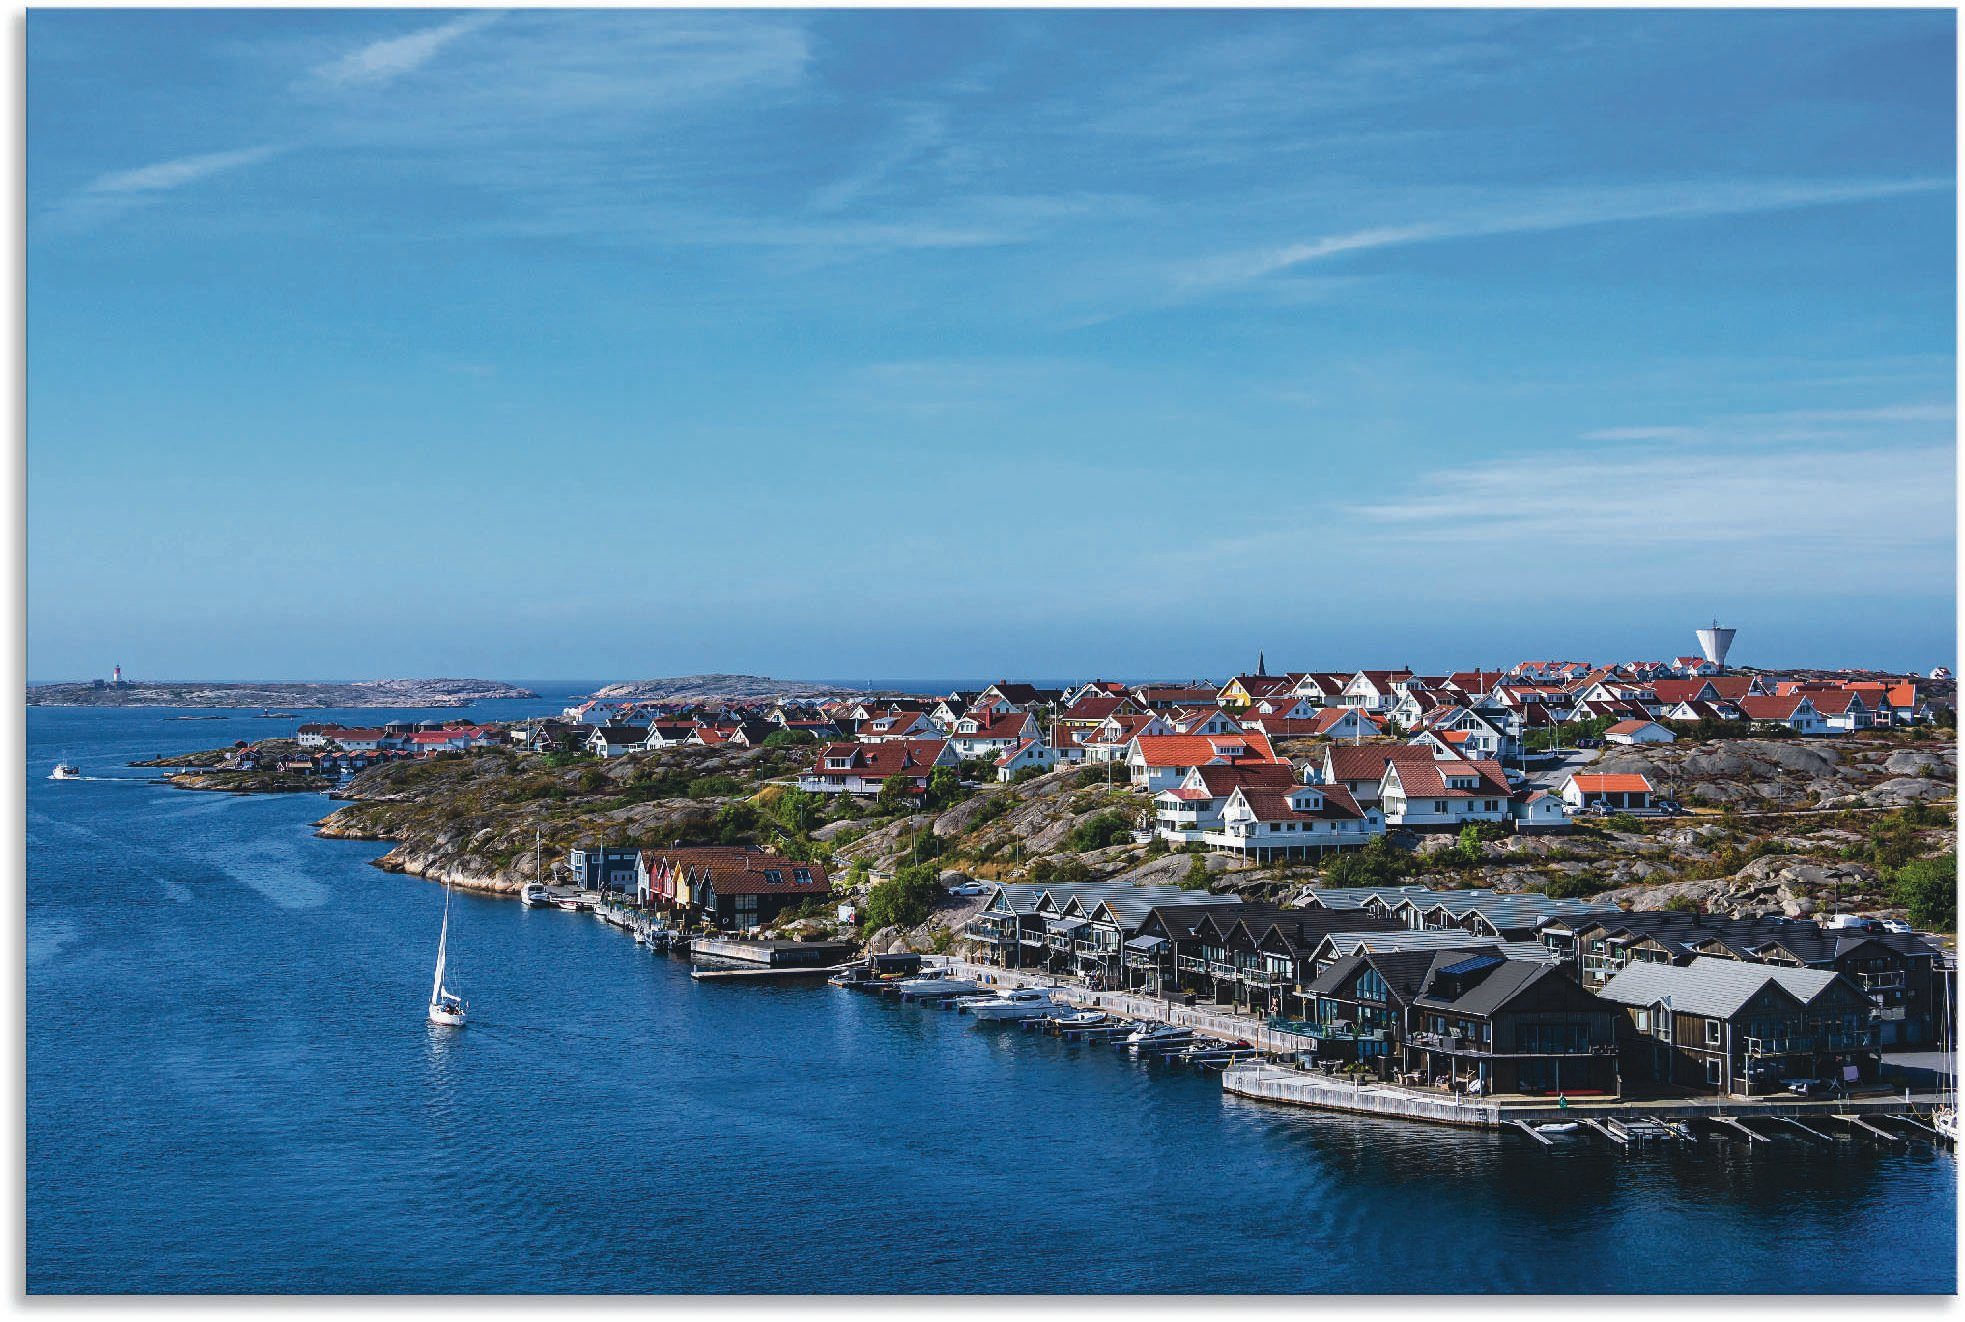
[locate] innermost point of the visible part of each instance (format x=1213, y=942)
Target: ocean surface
x=231, y=1087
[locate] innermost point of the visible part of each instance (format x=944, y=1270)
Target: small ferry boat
x=65, y=771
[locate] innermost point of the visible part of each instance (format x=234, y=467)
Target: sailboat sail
x=443, y=939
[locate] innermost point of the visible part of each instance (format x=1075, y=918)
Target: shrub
x=1070, y=872
x=788, y=738
x=1682, y=904
x=944, y=788
x=904, y=900
x=1022, y=774
x=1380, y=863
x=1197, y=874
x=896, y=795
x=1567, y=887
x=1893, y=842
x=1100, y=830
x=712, y=787
x=1928, y=888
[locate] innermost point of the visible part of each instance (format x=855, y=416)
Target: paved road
x=1551, y=775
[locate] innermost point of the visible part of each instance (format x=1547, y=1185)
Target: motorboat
x=535, y=896
x=65, y=771
x=1151, y=1037
x=446, y=1007
x=1558, y=1126
x=936, y=986
x=1945, y=1121
x=1083, y=1019
x=1020, y=1003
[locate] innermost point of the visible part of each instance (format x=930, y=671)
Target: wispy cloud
x=122, y=191
x=921, y=130
x=1549, y=212
x=176, y=173
x=1786, y=426
x=387, y=60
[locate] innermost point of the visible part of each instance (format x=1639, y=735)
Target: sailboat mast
x=443, y=939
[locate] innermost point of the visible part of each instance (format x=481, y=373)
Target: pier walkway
x=1206, y=1021
x=1273, y=1083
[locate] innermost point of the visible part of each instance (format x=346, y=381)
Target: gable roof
x=1716, y=988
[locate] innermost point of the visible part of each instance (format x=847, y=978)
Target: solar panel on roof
x=1471, y=964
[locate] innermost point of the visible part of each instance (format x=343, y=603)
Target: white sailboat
x=446, y=1008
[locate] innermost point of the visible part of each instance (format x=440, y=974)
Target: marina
x=847, y=1099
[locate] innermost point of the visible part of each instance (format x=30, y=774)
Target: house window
x=1712, y=1032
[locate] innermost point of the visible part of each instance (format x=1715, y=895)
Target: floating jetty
x=1624, y=1122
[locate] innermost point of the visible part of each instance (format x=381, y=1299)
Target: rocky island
x=1770, y=825
x=249, y=694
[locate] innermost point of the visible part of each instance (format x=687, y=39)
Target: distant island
x=721, y=688
x=192, y=693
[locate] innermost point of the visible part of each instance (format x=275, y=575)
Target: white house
x=883, y=726
x=853, y=768
x=1373, y=690
x=985, y=733
x=614, y=740
x=1794, y=711
x=1158, y=762
x=1030, y=753
x=1537, y=810
x=1638, y=732
x=1626, y=791
x=1431, y=792
x=1205, y=720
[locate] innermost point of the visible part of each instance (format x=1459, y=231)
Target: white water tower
x=1715, y=642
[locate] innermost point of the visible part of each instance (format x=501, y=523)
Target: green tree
x=1197, y=875
x=1380, y=863
x=1566, y=887
x=903, y=900
x=736, y=823
x=1928, y=888
x=944, y=788
x=1468, y=846
x=1100, y=830
x=896, y=795
x=1893, y=842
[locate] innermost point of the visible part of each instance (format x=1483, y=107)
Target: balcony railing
x=1830, y=1039
x=1344, y=1033
x=1191, y=964
x=1876, y=982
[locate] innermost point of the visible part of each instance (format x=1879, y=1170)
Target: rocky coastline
x=274, y=694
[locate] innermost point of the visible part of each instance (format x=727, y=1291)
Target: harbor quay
x=1624, y=1120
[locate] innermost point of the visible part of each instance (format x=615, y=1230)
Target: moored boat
x=1021, y=1003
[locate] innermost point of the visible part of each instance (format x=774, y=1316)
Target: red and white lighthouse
x=116, y=675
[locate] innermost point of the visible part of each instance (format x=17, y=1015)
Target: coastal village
x=1468, y=896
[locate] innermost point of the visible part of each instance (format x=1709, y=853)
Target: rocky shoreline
x=248, y=695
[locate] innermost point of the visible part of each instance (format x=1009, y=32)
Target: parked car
x=1668, y=806
x=1898, y=926
x=968, y=888
x=1589, y=741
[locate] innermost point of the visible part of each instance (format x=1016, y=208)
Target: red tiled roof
x=1611, y=782
x=1191, y=750
x=738, y=871
x=1428, y=779
x=896, y=757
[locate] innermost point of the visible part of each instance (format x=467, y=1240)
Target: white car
x=1899, y=926
x=969, y=888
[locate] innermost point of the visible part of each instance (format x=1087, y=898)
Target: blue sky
x=918, y=344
